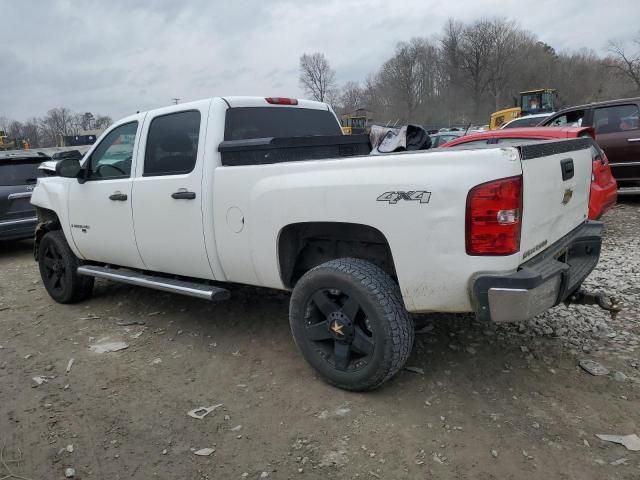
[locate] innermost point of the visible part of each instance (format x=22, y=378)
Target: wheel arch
x=47, y=221
x=302, y=246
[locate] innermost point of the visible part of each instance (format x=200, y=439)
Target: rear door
x=167, y=192
x=618, y=134
x=17, y=180
x=556, y=186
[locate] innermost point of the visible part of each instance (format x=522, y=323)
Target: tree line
x=471, y=70
x=47, y=131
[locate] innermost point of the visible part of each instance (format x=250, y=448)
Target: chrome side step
x=628, y=191
x=192, y=289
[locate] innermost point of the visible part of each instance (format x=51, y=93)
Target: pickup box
x=190, y=197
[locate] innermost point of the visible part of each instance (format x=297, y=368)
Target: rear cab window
x=616, y=118
x=243, y=123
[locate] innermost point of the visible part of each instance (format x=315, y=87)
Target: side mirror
x=68, y=168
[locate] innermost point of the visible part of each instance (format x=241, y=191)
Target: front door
x=618, y=134
x=100, y=209
x=167, y=192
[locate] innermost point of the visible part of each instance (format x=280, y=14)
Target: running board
x=192, y=289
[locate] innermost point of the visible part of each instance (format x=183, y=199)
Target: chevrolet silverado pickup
x=267, y=192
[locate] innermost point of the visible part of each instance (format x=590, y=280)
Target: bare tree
x=352, y=97
x=102, y=121
x=317, y=78
x=31, y=132
x=625, y=62
x=474, y=54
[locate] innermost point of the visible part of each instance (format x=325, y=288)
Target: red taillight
x=281, y=101
x=494, y=216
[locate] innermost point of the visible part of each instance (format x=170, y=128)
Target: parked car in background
x=441, y=138
x=617, y=131
x=18, y=176
x=528, y=121
x=603, y=185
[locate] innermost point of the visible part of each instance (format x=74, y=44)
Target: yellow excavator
x=542, y=100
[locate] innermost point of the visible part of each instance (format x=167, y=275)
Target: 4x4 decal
x=421, y=196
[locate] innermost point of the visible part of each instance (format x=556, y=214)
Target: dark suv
x=617, y=127
x=18, y=176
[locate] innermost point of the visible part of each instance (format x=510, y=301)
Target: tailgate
x=556, y=187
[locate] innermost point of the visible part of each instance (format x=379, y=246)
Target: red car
x=603, y=185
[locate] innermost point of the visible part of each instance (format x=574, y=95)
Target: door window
x=112, y=157
x=569, y=119
x=172, y=144
x=618, y=118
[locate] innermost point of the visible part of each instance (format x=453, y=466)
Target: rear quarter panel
x=427, y=240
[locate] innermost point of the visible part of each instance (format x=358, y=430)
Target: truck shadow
x=14, y=247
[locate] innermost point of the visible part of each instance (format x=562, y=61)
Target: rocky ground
x=478, y=402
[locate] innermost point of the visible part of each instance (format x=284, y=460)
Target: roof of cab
x=235, y=102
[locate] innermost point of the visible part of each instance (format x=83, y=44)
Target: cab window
x=617, y=118
x=569, y=119
x=112, y=157
x=172, y=144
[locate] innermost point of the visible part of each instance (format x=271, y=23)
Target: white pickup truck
x=189, y=197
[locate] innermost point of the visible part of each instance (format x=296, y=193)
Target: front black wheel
x=58, y=269
x=348, y=320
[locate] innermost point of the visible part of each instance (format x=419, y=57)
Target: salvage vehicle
x=603, y=186
x=268, y=192
x=617, y=127
x=18, y=175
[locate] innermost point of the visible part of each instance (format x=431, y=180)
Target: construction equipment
x=355, y=122
x=542, y=100
x=8, y=143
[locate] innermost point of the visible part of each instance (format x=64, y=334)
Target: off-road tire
x=68, y=286
x=380, y=301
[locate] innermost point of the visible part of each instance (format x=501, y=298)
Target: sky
x=116, y=57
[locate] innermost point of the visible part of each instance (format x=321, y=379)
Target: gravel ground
x=479, y=401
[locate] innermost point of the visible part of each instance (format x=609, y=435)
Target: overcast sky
x=118, y=56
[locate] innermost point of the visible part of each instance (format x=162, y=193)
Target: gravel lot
x=507, y=402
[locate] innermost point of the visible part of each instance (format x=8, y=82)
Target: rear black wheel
x=349, y=321
x=58, y=266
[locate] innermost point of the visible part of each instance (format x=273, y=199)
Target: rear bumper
x=18, y=228
x=542, y=282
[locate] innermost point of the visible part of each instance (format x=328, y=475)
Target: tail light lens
x=494, y=217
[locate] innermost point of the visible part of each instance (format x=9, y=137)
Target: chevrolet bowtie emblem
x=337, y=327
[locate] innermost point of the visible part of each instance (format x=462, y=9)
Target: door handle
x=118, y=197
x=183, y=195
x=633, y=140
x=15, y=196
